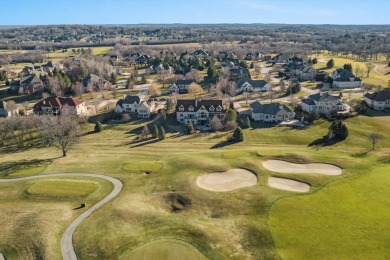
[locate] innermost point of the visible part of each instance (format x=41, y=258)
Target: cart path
x=67, y=248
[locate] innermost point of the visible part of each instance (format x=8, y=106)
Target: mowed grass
x=378, y=76
x=60, y=188
x=167, y=203
x=348, y=219
x=36, y=213
x=165, y=249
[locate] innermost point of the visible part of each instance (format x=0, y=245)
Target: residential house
x=6, y=111
x=237, y=72
x=226, y=55
x=50, y=66
x=279, y=58
x=306, y=73
x=96, y=81
x=273, y=112
x=322, y=103
x=249, y=85
x=295, y=60
x=378, y=100
x=198, y=111
x=27, y=84
x=136, y=106
x=254, y=56
x=181, y=86
x=56, y=105
x=161, y=69
x=343, y=78
x=200, y=54
x=143, y=59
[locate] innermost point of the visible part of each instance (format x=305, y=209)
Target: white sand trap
x=227, y=181
x=2, y=256
x=288, y=167
x=286, y=184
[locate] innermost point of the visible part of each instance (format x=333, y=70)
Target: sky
x=44, y=12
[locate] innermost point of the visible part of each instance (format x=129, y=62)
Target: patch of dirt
x=177, y=202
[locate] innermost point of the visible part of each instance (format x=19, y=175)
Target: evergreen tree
x=143, y=80
x=314, y=61
x=113, y=78
x=330, y=64
x=230, y=115
x=170, y=104
x=243, y=64
x=161, y=135
x=238, y=135
x=98, y=127
x=348, y=66
x=252, y=65
x=338, y=130
x=156, y=133
x=190, y=128
x=248, y=122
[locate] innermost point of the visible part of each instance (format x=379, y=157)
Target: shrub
x=238, y=135
x=98, y=127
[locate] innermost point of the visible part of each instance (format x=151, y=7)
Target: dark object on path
x=83, y=205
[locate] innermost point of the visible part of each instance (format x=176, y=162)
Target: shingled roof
x=186, y=103
x=254, y=83
x=379, y=96
x=269, y=109
x=57, y=101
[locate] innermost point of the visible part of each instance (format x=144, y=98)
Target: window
x=211, y=108
x=191, y=108
x=181, y=108
x=219, y=108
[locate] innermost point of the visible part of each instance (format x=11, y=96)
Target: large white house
x=199, y=112
x=138, y=107
x=378, y=100
x=343, y=78
x=56, y=105
x=273, y=112
x=322, y=103
x=249, y=85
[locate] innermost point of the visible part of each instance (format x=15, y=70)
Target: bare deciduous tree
x=153, y=90
x=195, y=89
x=369, y=66
x=216, y=124
x=374, y=139
x=63, y=132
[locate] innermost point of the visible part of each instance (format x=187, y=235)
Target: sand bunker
x=288, y=167
x=227, y=181
x=287, y=184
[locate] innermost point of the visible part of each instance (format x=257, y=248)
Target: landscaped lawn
x=168, y=204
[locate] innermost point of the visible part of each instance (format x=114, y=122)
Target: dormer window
x=191, y=108
x=212, y=108
x=219, y=108
x=181, y=108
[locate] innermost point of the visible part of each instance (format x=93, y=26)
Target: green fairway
x=60, y=188
x=348, y=219
x=165, y=249
x=167, y=203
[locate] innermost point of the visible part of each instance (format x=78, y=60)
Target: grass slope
x=348, y=219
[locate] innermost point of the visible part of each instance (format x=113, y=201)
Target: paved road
x=66, y=243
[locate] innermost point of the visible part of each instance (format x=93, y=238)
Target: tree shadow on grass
x=9, y=168
x=151, y=141
x=221, y=144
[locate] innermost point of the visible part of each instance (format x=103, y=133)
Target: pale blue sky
x=42, y=12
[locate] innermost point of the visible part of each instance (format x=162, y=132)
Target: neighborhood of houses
x=201, y=110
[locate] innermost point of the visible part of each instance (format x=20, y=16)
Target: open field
x=378, y=76
x=35, y=213
x=168, y=204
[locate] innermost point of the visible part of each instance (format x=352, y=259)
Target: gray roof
x=185, y=81
x=132, y=99
x=308, y=101
x=2, y=104
x=254, y=83
x=269, y=109
x=345, y=75
x=322, y=97
x=379, y=96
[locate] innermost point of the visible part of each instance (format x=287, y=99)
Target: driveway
x=67, y=248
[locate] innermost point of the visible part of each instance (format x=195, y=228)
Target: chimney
x=196, y=102
x=280, y=106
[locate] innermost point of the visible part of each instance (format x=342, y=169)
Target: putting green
x=164, y=249
x=61, y=188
